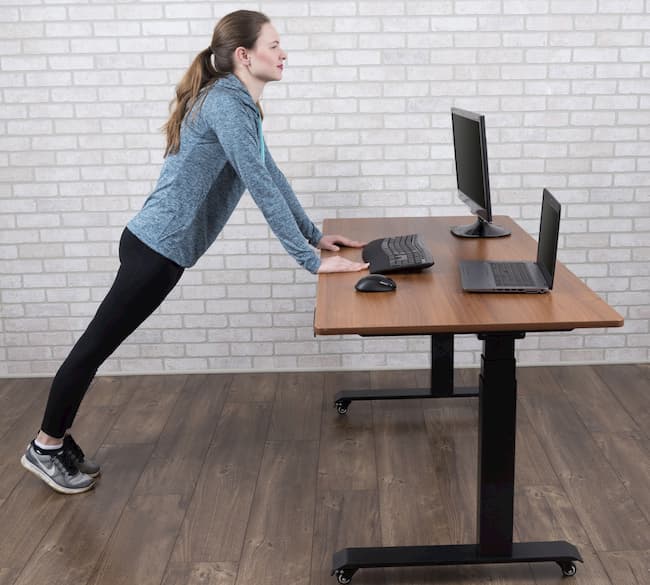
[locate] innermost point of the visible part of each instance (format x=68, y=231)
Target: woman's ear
x=242, y=56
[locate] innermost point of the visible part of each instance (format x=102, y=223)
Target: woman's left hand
x=330, y=243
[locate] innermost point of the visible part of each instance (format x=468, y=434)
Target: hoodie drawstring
x=259, y=125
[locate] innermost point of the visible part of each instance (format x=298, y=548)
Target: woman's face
x=267, y=57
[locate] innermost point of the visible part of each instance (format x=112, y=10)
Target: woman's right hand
x=340, y=264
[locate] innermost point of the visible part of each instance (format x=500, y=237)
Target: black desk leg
x=442, y=380
x=497, y=425
x=496, y=476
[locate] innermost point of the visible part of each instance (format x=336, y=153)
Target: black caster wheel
x=342, y=407
x=343, y=577
x=568, y=569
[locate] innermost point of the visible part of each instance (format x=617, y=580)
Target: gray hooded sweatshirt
x=222, y=153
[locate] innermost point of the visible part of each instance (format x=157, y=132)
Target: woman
x=215, y=151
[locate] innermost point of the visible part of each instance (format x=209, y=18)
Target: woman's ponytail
x=200, y=74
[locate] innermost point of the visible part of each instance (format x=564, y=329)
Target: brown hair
x=237, y=29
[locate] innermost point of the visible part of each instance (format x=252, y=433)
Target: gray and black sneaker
x=56, y=469
x=83, y=463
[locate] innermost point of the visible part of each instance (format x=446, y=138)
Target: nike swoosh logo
x=49, y=470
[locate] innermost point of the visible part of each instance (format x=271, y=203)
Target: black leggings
x=143, y=280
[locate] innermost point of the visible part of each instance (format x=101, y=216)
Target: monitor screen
x=470, y=153
x=471, y=161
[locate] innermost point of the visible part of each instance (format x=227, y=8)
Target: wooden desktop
x=433, y=303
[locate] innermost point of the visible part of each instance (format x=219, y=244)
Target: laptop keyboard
x=511, y=274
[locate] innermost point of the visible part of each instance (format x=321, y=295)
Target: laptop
x=520, y=277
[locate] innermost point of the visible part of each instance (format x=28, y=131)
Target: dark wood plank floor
x=254, y=479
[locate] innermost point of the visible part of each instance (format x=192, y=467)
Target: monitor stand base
x=480, y=229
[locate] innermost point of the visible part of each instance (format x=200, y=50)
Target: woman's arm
x=307, y=227
x=238, y=137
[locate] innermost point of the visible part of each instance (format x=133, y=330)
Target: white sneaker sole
x=29, y=466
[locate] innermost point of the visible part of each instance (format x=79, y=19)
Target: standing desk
x=433, y=303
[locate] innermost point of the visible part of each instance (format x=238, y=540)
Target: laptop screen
x=549, y=232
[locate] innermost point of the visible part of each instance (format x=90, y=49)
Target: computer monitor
x=470, y=152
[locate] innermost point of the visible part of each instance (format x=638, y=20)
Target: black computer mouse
x=375, y=283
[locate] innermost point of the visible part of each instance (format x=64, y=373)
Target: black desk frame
x=497, y=394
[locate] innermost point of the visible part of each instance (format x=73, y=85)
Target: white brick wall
x=360, y=125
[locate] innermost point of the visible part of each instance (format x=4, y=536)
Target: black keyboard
x=397, y=254
x=511, y=274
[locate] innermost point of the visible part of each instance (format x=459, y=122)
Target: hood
x=231, y=83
